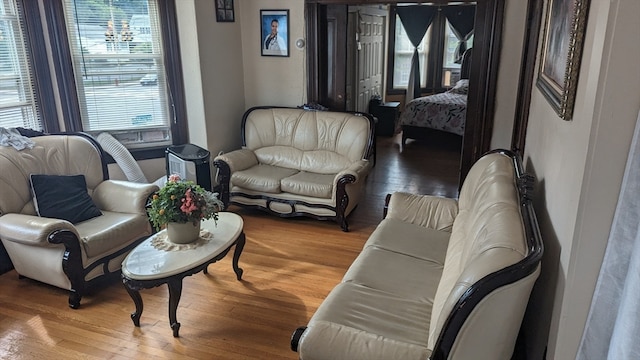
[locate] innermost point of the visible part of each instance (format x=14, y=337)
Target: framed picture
x=561, y=53
x=224, y=11
x=274, y=32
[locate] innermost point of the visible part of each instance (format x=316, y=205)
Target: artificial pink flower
x=174, y=178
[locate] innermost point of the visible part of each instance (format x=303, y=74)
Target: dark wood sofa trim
x=508, y=275
x=72, y=258
x=342, y=199
x=491, y=282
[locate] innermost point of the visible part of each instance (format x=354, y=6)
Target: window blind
x=119, y=69
x=18, y=107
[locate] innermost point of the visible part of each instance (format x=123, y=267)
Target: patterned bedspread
x=445, y=111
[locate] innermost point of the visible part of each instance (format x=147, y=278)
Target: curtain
x=462, y=19
x=415, y=20
x=613, y=323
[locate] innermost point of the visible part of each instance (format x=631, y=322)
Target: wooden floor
x=290, y=265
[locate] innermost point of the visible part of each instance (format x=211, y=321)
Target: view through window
x=18, y=107
x=437, y=53
x=119, y=69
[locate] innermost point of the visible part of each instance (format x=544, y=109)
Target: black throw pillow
x=63, y=197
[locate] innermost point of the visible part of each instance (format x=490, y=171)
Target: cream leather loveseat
x=296, y=162
x=438, y=278
x=55, y=248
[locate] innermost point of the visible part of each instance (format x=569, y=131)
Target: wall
x=271, y=80
x=212, y=62
x=579, y=166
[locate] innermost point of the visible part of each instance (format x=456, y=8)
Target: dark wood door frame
x=484, y=69
x=523, y=102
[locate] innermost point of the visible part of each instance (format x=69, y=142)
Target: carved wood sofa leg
x=344, y=225
x=74, y=299
x=295, y=338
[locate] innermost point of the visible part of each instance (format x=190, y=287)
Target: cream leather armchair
x=55, y=251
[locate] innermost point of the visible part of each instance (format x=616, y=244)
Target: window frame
x=435, y=55
x=63, y=66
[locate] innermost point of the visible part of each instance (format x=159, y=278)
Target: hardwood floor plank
x=290, y=265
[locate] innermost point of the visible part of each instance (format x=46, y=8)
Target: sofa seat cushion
x=402, y=275
x=368, y=318
x=100, y=235
x=265, y=178
x=410, y=239
x=309, y=184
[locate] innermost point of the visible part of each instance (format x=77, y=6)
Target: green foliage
x=182, y=201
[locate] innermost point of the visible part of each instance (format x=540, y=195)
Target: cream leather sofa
x=296, y=162
x=438, y=278
x=55, y=251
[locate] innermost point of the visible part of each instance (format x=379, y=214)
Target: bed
x=444, y=111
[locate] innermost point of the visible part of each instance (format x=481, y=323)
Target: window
x=118, y=63
x=18, y=106
x=451, y=68
x=403, y=54
x=437, y=52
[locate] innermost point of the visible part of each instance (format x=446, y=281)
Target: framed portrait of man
x=274, y=32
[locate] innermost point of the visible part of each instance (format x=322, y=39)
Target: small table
x=388, y=114
x=146, y=266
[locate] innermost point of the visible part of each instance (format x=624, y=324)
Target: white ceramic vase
x=183, y=233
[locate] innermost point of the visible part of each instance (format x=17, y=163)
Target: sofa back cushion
x=487, y=235
x=317, y=141
x=51, y=155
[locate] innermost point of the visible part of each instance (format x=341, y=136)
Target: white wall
x=270, y=80
x=579, y=166
x=212, y=62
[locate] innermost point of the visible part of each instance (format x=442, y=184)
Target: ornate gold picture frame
x=561, y=53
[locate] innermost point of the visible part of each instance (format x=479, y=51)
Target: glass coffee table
x=156, y=261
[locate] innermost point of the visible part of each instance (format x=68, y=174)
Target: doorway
x=326, y=67
x=366, y=38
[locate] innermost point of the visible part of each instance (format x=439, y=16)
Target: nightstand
x=388, y=114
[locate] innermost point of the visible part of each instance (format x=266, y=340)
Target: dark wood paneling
x=482, y=83
x=336, y=58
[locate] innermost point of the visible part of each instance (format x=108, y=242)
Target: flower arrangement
x=182, y=201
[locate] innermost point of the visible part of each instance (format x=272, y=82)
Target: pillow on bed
x=462, y=87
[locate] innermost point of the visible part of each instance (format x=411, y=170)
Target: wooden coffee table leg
x=236, y=255
x=137, y=300
x=175, y=291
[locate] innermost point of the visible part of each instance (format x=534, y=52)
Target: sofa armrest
x=425, y=210
x=359, y=170
x=238, y=159
x=123, y=196
x=30, y=229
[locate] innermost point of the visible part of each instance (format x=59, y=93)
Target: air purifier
x=190, y=162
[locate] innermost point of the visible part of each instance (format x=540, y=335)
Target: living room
x=579, y=164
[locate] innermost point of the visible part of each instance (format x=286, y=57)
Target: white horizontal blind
x=119, y=69
x=18, y=107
